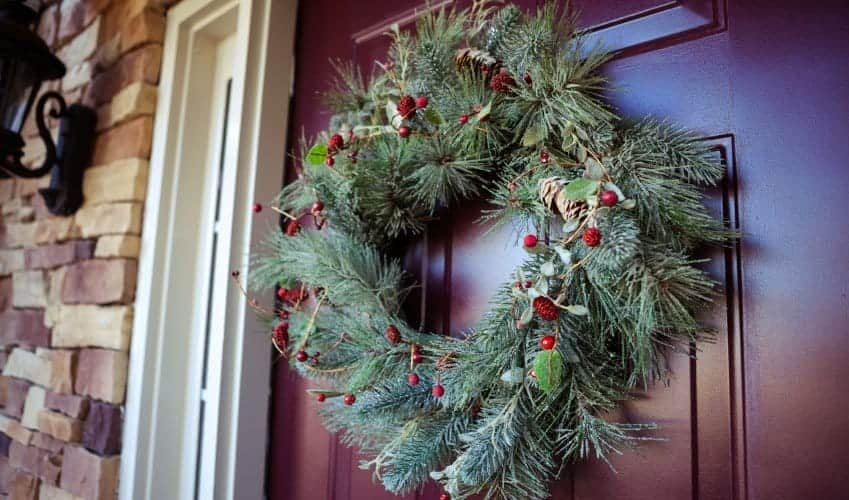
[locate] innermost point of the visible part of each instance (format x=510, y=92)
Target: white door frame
x=160, y=420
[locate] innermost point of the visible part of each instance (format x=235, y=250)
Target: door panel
x=736, y=420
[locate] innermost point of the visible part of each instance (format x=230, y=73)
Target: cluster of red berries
x=502, y=82
x=281, y=334
x=292, y=295
x=303, y=357
x=335, y=144
x=406, y=108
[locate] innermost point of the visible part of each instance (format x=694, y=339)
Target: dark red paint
x=762, y=413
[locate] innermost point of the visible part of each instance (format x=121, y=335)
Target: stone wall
x=67, y=283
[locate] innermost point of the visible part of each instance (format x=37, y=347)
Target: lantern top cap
x=18, y=42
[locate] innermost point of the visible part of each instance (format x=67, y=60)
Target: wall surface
x=67, y=284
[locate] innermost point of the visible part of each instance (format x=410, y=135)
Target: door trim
x=157, y=412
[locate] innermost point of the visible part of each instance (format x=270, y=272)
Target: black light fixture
x=26, y=62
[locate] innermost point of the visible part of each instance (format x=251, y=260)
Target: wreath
x=496, y=102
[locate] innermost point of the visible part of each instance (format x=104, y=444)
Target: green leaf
x=565, y=255
x=317, y=154
x=527, y=315
x=532, y=136
x=577, y=310
x=548, y=367
x=483, y=113
x=593, y=170
x=392, y=115
x=628, y=204
x=547, y=269
x=513, y=376
x=582, y=153
x=580, y=189
x=570, y=225
x=432, y=116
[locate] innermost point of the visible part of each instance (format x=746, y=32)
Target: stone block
x=142, y=64
x=11, y=261
x=109, y=218
x=118, y=245
x=128, y=140
x=121, y=180
x=23, y=327
x=26, y=365
x=89, y=476
x=67, y=404
x=15, y=395
x=22, y=486
x=102, y=374
x=92, y=326
x=60, y=426
x=33, y=406
x=50, y=256
x=49, y=492
x=134, y=100
x=29, y=289
x=103, y=426
x=100, y=281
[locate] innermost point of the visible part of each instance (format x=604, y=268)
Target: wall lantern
x=26, y=62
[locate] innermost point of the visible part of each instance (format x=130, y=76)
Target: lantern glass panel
x=19, y=85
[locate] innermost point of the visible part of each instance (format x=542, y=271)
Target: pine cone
x=474, y=59
x=546, y=308
x=406, y=107
x=502, y=82
x=281, y=334
x=335, y=143
x=551, y=195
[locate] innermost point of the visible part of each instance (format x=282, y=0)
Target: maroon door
x=763, y=412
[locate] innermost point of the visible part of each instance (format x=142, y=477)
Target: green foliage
x=498, y=430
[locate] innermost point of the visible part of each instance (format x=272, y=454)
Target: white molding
x=158, y=421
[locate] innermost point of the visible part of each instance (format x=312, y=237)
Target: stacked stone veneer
x=67, y=284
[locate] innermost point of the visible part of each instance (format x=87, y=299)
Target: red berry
x=257, y=208
x=282, y=293
x=547, y=342
x=609, y=198
x=301, y=356
x=464, y=119
x=235, y=274
x=546, y=308
x=417, y=358
x=438, y=391
x=445, y=496
x=530, y=240
x=421, y=101
x=392, y=334
x=528, y=284
x=329, y=161
x=284, y=314
x=318, y=206
x=592, y=237
x=405, y=131
x=293, y=227
x=544, y=157
x=335, y=142
x=413, y=379
x=528, y=79
x=320, y=398
x=349, y=399
x=406, y=107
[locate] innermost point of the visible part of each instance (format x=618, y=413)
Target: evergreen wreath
x=496, y=102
